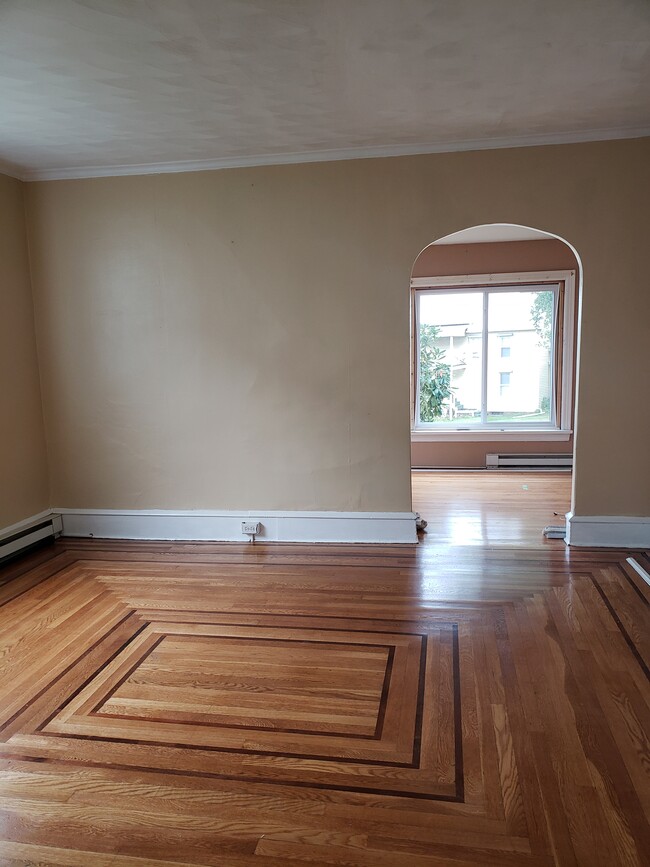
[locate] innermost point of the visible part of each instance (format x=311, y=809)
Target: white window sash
x=489, y=283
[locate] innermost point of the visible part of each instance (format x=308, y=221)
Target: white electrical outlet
x=250, y=528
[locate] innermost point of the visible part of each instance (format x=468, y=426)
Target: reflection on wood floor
x=233, y=704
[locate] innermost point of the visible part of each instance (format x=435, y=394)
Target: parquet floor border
x=511, y=726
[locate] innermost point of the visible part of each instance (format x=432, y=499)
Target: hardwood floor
x=490, y=507
x=446, y=704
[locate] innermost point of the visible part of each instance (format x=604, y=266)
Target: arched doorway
x=495, y=312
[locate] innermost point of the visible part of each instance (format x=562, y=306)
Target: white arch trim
x=482, y=231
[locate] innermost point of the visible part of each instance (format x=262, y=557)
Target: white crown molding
x=607, y=531
x=225, y=526
x=11, y=170
x=74, y=172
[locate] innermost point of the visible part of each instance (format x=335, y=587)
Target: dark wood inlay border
x=458, y=720
x=149, y=769
x=65, y=671
x=414, y=764
x=630, y=580
x=626, y=635
x=96, y=712
x=37, y=583
x=97, y=671
x=283, y=754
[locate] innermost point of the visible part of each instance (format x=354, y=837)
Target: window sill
x=489, y=436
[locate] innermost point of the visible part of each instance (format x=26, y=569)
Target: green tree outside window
x=435, y=375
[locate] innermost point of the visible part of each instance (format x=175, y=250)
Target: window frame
x=560, y=427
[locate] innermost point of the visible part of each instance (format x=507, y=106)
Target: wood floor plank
x=478, y=699
x=27, y=855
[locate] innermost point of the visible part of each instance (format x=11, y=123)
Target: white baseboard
x=607, y=531
x=17, y=537
x=369, y=527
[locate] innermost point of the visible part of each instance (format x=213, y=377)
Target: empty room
x=324, y=433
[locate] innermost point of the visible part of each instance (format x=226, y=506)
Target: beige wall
x=240, y=338
x=443, y=260
x=23, y=466
x=202, y=346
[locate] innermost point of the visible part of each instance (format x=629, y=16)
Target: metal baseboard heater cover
x=529, y=462
x=15, y=543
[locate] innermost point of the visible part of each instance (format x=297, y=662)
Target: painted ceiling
x=100, y=84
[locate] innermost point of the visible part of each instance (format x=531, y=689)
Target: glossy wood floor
x=463, y=702
x=484, y=508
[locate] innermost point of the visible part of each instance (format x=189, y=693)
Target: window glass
x=485, y=357
x=450, y=353
x=519, y=385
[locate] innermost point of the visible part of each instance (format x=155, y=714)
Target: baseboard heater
x=16, y=543
x=528, y=462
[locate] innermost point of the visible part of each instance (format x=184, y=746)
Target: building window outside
x=462, y=338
